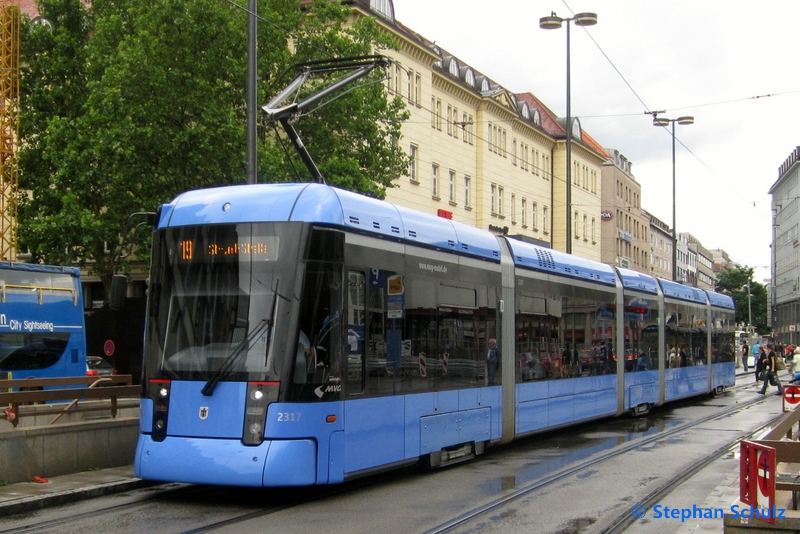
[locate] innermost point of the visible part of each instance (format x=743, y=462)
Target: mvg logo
x=203, y=413
x=330, y=388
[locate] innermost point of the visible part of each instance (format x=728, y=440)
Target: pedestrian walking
x=745, y=354
x=771, y=372
x=761, y=363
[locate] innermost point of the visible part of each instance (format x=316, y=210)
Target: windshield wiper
x=225, y=369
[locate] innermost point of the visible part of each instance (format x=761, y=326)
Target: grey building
x=784, y=268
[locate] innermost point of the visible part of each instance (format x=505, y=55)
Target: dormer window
x=469, y=76
x=485, y=85
x=453, y=67
x=525, y=111
x=537, y=118
x=576, y=129
x=384, y=8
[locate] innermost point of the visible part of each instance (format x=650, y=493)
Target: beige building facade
x=484, y=156
x=626, y=226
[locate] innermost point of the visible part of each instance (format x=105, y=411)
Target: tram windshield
x=220, y=302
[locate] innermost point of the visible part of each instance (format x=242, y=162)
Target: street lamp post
x=251, y=169
x=749, y=310
x=553, y=22
x=662, y=121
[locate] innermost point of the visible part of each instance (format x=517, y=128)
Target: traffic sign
x=757, y=476
x=109, y=347
x=791, y=393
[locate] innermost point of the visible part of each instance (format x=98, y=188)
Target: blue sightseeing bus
x=299, y=334
x=41, y=321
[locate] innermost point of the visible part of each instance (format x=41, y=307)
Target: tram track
x=165, y=492
x=623, y=520
x=289, y=500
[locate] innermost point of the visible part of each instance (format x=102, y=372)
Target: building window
x=467, y=195
x=594, y=230
x=575, y=224
x=493, y=199
x=470, y=130
x=417, y=89
x=455, y=122
x=397, y=82
x=536, y=162
x=513, y=151
x=513, y=208
x=450, y=120
x=500, y=201
x=535, y=215
x=585, y=227
x=523, y=208
x=452, y=188
x=544, y=220
x=436, y=113
x=410, y=84
x=413, y=165
x=435, y=180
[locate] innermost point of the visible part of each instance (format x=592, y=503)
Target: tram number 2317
x=289, y=417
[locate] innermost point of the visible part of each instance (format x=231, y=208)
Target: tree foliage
x=127, y=103
x=749, y=297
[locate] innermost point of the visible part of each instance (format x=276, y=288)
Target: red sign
x=108, y=347
x=445, y=214
x=757, y=477
x=791, y=393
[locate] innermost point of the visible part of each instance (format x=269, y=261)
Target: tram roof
x=548, y=260
x=635, y=280
x=720, y=301
x=325, y=205
x=679, y=291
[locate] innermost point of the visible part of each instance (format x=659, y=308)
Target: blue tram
x=298, y=334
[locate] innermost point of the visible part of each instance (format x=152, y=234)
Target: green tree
x=749, y=297
x=156, y=106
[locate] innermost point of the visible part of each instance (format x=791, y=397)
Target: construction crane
x=9, y=125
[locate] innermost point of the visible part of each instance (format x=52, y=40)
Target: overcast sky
x=733, y=66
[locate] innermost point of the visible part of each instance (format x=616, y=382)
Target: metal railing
x=20, y=394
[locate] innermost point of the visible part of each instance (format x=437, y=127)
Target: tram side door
x=374, y=429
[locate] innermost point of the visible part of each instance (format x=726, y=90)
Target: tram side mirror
x=119, y=290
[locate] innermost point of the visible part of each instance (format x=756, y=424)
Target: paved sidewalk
x=28, y=496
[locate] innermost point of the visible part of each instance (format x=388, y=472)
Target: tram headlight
x=259, y=397
x=158, y=393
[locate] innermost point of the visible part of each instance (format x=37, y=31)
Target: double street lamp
x=662, y=121
x=554, y=22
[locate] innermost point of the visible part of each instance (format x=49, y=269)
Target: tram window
x=567, y=332
x=356, y=321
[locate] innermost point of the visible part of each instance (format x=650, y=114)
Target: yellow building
x=483, y=155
